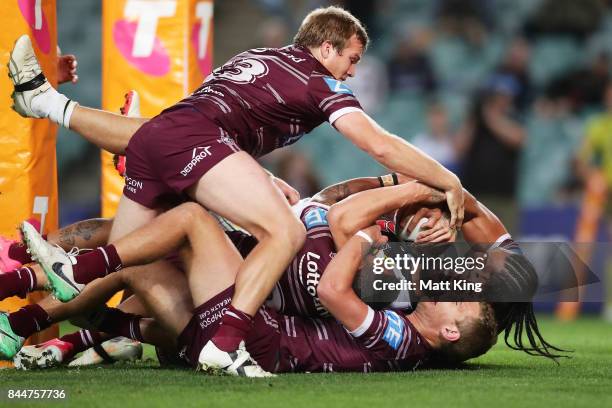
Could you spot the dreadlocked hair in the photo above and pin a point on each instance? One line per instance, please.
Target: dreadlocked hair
(518, 320)
(511, 291)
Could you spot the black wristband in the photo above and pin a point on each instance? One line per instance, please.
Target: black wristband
(380, 180)
(395, 179)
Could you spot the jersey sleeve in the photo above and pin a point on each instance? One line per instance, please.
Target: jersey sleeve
(332, 98)
(387, 335)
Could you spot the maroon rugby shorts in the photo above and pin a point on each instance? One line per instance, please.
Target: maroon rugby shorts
(170, 153)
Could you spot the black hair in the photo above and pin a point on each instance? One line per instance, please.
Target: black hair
(512, 290)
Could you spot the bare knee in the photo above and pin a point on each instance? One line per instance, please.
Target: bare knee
(286, 229)
(190, 214)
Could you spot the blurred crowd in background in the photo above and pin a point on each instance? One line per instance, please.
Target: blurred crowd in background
(502, 92)
(514, 96)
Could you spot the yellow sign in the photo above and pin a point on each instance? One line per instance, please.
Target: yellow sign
(160, 48)
(28, 176)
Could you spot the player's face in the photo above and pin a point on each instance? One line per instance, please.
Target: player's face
(342, 64)
(439, 314)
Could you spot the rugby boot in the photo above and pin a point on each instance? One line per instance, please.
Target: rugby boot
(131, 109)
(238, 363)
(51, 353)
(6, 263)
(28, 79)
(111, 351)
(10, 343)
(56, 264)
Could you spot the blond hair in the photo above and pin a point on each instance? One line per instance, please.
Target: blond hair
(332, 24)
(478, 335)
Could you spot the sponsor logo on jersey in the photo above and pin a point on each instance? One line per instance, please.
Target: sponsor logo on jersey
(394, 333)
(315, 217)
(292, 57)
(199, 154)
(337, 86)
(209, 90)
(133, 185)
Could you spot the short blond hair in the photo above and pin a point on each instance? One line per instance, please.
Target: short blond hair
(478, 335)
(333, 24)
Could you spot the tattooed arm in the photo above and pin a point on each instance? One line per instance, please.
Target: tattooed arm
(83, 234)
(338, 192)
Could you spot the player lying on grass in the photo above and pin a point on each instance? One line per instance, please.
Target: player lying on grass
(205, 145)
(380, 341)
(296, 292)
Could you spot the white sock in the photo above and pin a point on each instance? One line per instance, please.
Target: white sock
(55, 106)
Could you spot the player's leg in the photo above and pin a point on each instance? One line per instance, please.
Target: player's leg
(58, 265)
(98, 346)
(23, 280)
(237, 188)
(34, 97)
(87, 234)
(109, 131)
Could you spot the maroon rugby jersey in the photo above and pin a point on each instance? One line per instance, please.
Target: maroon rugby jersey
(386, 341)
(266, 98)
(296, 291)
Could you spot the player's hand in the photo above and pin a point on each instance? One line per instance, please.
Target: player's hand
(292, 195)
(67, 69)
(437, 229)
(375, 233)
(454, 198)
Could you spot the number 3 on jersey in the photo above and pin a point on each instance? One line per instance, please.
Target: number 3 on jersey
(243, 71)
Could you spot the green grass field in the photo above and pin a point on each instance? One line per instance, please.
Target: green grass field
(502, 378)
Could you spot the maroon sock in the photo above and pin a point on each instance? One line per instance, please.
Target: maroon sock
(96, 264)
(28, 320)
(119, 323)
(20, 282)
(18, 251)
(233, 329)
(82, 340)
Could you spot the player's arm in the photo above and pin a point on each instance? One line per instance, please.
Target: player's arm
(363, 209)
(480, 225)
(401, 157)
(338, 192)
(335, 290)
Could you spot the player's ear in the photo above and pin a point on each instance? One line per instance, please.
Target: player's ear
(326, 49)
(450, 332)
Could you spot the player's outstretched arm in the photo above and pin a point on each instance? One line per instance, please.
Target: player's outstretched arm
(363, 209)
(337, 192)
(335, 289)
(401, 157)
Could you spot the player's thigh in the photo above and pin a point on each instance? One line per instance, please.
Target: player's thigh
(211, 260)
(129, 217)
(133, 304)
(164, 291)
(239, 189)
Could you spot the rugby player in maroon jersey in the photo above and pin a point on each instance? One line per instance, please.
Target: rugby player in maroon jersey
(382, 341)
(204, 146)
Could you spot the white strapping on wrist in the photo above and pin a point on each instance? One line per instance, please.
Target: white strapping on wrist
(365, 236)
